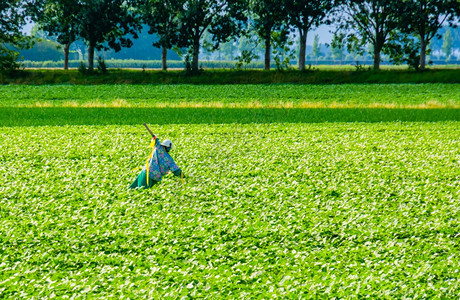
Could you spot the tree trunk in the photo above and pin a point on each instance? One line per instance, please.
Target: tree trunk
(164, 53)
(376, 58)
(267, 52)
(422, 54)
(302, 50)
(91, 58)
(196, 52)
(66, 56)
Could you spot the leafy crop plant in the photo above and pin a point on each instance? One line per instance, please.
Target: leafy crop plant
(283, 210)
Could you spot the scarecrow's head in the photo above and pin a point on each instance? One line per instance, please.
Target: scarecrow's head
(167, 145)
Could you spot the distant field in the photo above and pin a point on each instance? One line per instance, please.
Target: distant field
(245, 96)
(268, 210)
(178, 64)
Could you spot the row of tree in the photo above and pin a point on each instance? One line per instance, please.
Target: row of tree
(400, 28)
(49, 52)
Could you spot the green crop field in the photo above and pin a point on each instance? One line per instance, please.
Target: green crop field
(358, 196)
(275, 95)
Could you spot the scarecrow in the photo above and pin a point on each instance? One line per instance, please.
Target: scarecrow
(158, 164)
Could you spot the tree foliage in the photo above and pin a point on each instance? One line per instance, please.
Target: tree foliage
(316, 48)
(60, 18)
(43, 50)
(224, 19)
(305, 16)
(269, 16)
(13, 15)
(337, 46)
(424, 18)
(399, 28)
(373, 22)
(102, 24)
(162, 17)
(447, 44)
(283, 52)
(404, 49)
(105, 24)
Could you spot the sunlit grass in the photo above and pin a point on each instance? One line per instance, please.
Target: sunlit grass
(241, 96)
(125, 104)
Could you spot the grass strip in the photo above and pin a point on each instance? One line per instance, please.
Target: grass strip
(238, 95)
(14, 116)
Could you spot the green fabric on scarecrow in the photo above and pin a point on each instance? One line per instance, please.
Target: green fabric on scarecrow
(159, 164)
(141, 181)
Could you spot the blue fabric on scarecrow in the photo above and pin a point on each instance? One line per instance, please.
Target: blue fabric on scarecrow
(158, 165)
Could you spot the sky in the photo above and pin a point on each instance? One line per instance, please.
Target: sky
(27, 28)
(325, 36)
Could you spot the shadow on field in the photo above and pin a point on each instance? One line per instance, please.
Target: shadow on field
(14, 116)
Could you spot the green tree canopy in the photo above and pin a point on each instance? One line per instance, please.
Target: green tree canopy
(372, 22)
(60, 18)
(43, 50)
(305, 16)
(337, 46)
(269, 16)
(162, 17)
(447, 44)
(224, 19)
(424, 18)
(13, 16)
(316, 48)
(105, 24)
